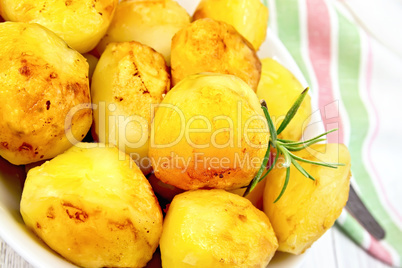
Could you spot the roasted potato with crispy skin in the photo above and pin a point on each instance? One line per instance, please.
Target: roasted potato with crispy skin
(214, 228)
(280, 89)
(128, 80)
(152, 23)
(93, 208)
(45, 105)
(249, 17)
(207, 45)
(208, 132)
(307, 208)
(81, 23)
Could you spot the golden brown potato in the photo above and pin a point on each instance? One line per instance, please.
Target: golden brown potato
(307, 208)
(207, 45)
(208, 132)
(152, 23)
(280, 89)
(81, 23)
(214, 228)
(92, 208)
(128, 80)
(249, 17)
(44, 92)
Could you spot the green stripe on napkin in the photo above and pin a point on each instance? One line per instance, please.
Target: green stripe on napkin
(349, 68)
(288, 15)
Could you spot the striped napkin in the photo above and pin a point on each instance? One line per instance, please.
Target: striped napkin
(358, 79)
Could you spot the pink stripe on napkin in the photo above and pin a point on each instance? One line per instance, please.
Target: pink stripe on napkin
(319, 38)
(378, 251)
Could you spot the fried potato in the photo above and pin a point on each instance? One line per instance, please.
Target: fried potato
(307, 208)
(81, 23)
(92, 208)
(249, 17)
(280, 89)
(152, 23)
(208, 132)
(214, 228)
(128, 80)
(207, 45)
(45, 105)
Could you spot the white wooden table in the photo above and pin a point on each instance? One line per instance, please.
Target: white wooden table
(333, 250)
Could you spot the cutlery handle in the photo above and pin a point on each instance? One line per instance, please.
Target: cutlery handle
(356, 208)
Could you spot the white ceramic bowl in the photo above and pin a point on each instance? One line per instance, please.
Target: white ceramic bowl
(33, 250)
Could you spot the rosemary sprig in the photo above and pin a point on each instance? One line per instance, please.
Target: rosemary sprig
(286, 147)
(292, 111)
(284, 185)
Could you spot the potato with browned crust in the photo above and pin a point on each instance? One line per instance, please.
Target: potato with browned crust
(208, 132)
(45, 105)
(249, 17)
(93, 208)
(214, 228)
(130, 78)
(81, 23)
(207, 45)
(152, 23)
(308, 208)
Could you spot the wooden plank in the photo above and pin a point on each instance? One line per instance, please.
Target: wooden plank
(10, 259)
(322, 253)
(349, 254)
